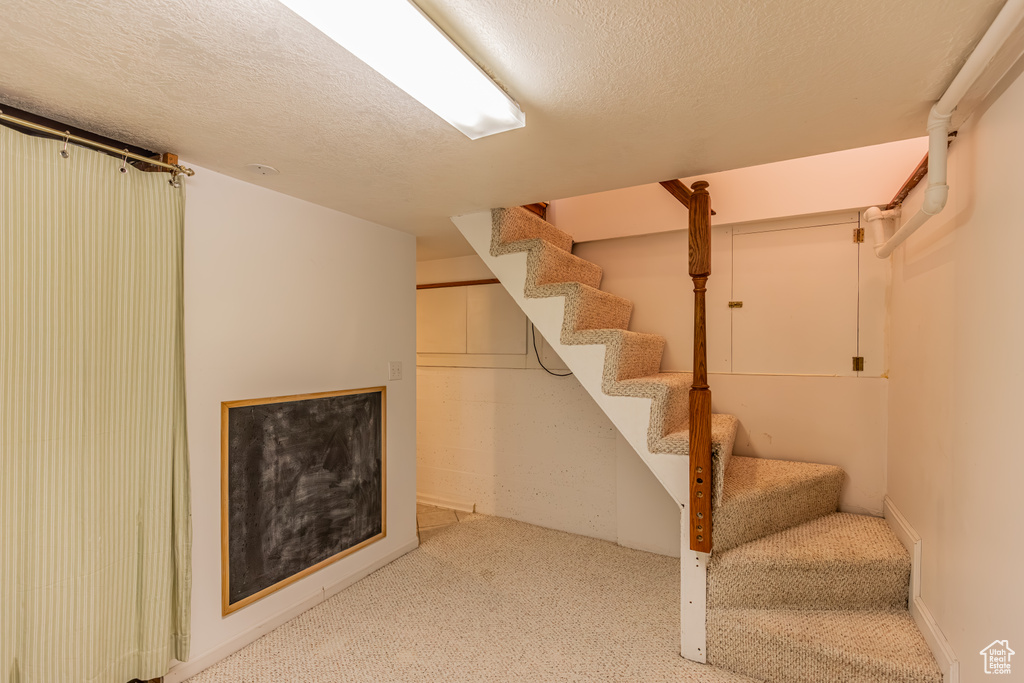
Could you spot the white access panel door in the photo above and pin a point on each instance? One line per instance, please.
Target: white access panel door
(494, 322)
(441, 320)
(799, 292)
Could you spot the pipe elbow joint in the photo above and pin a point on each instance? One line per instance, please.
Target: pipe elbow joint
(935, 197)
(874, 213)
(938, 120)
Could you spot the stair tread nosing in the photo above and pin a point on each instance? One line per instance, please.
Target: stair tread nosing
(516, 223)
(839, 561)
(821, 646)
(761, 497)
(723, 433)
(673, 388)
(586, 307)
(629, 354)
(546, 264)
(668, 392)
(668, 430)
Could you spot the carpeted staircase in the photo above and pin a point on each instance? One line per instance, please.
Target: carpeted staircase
(796, 591)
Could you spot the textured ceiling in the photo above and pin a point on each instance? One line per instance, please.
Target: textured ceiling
(615, 93)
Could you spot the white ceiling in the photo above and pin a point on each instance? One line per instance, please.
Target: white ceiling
(616, 93)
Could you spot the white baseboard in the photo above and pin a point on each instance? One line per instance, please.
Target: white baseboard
(450, 503)
(944, 655)
(182, 670)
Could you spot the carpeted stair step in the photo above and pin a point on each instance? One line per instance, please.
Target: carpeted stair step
(588, 308)
(812, 646)
(723, 437)
(670, 414)
(516, 224)
(547, 264)
(723, 434)
(629, 354)
(840, 561)
(548, 261)
(670, 392)
(669, 430)
(548, 268)
(761, 497)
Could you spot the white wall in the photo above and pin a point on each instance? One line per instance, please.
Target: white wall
(957, 317)
(285, 297)
(833, 420)
(523, 444)
(805, 312)
(517, 443)
(849, 179)
(458, 269)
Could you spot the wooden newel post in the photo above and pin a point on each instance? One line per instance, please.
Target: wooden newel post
(700, 393)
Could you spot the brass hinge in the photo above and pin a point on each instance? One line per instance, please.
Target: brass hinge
(735, 304)
(858, 235)
(858, 363)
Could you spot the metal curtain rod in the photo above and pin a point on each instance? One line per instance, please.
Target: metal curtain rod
(175, 169)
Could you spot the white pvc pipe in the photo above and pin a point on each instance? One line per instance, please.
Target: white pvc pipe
(1002, 26)
(937, 192)
(905, 231)
(876, 216)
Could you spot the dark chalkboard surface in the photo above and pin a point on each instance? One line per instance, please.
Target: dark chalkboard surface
(303, 485)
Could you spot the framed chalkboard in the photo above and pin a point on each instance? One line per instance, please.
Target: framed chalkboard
(303, 483)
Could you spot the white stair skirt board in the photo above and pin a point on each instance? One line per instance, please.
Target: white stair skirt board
(944, 655)
(630, 415)
(449, 503)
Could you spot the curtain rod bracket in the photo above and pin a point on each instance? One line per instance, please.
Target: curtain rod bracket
(67, 136)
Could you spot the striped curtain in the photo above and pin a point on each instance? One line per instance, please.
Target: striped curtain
(95, 529)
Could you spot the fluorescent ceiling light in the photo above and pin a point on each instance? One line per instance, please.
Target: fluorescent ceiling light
(403, 45)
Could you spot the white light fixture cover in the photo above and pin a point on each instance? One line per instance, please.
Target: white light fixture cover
(397, 40)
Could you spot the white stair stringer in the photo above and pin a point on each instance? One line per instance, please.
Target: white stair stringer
(630, 415)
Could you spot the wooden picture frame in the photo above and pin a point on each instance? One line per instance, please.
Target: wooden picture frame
(297, 415)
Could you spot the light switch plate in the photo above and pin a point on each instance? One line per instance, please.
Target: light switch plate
(394, 370)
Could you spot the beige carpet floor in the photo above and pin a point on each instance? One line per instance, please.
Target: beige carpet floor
(488, 599)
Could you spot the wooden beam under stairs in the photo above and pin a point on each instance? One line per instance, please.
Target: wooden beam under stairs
(678, 190)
